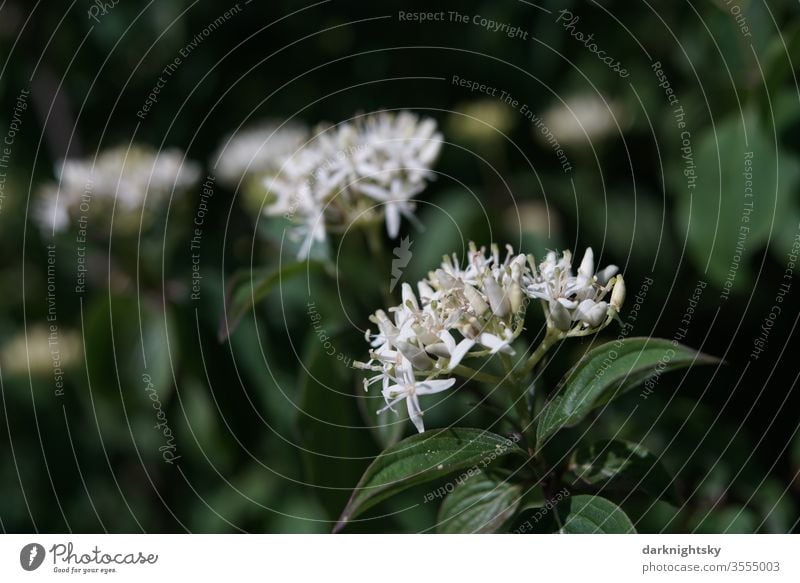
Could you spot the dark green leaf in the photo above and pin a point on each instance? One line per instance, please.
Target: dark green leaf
(776, 507)
(337, 447)
(607, 372)
(718, 213)
(574, 514)
(777, 64)
(247, 288)
(612, 463)
(595, 515)
(653, 516)
(422, 458)
(482, 503)
(733, 519)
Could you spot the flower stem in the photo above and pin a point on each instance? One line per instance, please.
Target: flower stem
(466, 371)
(549, 340)
(518, 386)
(372, 231)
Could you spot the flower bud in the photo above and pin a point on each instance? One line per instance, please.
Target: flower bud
(438, 349)
(475, 300)
(618, 294)
(516, 298)
(586, 268)
(497, 297)
(592, 313)
(605, 275)
(559, 316)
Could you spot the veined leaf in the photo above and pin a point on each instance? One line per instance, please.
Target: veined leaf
(609, 463)
(575, 515)
(609, 371)
(422, 458)
(247, 288)
(595, 515)
(480, 504)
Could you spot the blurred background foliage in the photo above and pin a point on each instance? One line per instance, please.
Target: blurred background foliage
(272, 433)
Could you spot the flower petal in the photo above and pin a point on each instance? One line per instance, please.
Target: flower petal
(586, 268)
(433, 387)
(415, 413)
(392, 220)
(461, 349)
(494, 343)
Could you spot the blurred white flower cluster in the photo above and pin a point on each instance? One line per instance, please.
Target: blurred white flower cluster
(584, 118)
(355, 172)
(478, 311)
(36, 352)
(125, 177)
(257, 152)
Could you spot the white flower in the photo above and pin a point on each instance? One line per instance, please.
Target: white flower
(355, 171)
(31, 351)
(396, 202)
(572, 298)
(582, 118)
(125, 178)
(460, 313)
(448, 348)
(591, 313)
(49, 212)
(483, 122)
(129, 175)
(408, 388)
(496, 343)
(256, 151)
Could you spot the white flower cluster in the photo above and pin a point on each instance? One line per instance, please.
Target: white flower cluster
(479, 310)
(257, 151)
(121, 176)
(355, 172)
(571, 298)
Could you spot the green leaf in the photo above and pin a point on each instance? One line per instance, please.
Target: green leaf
(607, 372)
(724, 227)
(247, 288)
(336, 446)
(161, 343)
(610, 463)
(733, 519)
(422, 458)
(776, 507)
(569, 514)
(596, 515)
(482, 503)
(653, 516)
(777, 65)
